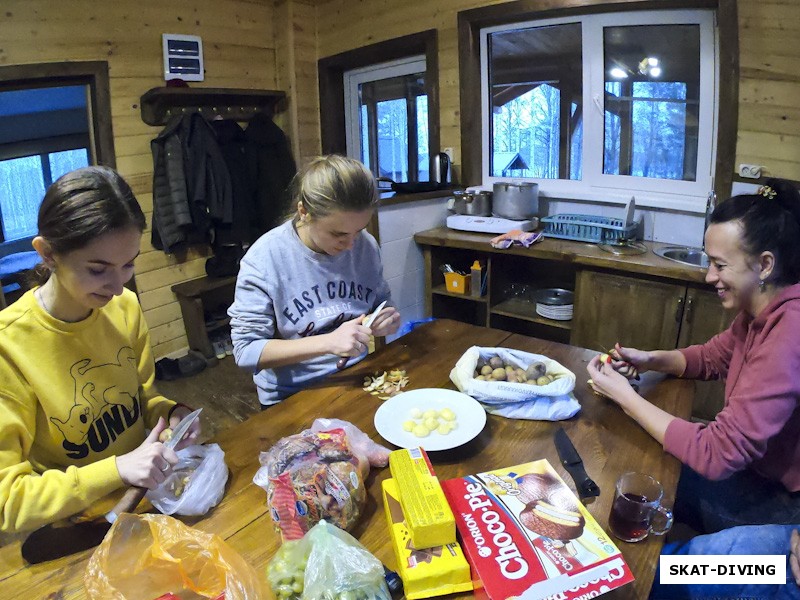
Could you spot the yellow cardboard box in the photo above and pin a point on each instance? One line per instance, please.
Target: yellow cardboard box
(428, 515)
(427, 572)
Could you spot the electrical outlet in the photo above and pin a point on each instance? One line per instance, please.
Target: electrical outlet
(750, 171)
(451, 153)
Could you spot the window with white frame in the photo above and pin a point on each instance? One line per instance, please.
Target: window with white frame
(603, 107)
(386, 118)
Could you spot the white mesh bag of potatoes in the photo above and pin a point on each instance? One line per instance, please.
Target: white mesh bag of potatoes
(516, 384)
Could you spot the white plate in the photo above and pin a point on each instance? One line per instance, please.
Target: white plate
(470, 417)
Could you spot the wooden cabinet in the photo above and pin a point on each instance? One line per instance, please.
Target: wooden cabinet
(635, 312)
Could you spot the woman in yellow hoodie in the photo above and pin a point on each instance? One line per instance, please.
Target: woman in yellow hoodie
(76, 368)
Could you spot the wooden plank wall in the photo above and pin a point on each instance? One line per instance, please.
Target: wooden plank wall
(769, 86)
(239, 52)
(769, 103)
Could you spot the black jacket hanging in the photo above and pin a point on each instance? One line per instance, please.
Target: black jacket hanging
(273, 167)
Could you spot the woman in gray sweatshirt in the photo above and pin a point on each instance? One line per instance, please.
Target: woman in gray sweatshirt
(304, 288)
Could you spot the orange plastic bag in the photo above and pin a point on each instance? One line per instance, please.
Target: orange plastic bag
(144, 557)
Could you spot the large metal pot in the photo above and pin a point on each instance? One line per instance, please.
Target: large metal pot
(515, 201)
(475, 204)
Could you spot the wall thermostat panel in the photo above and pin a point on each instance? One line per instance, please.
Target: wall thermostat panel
(183, 57)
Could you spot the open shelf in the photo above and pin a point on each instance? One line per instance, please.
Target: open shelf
(442, 290)
(161, 103)
(519, 309)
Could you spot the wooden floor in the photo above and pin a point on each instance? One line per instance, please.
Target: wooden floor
(226, 393)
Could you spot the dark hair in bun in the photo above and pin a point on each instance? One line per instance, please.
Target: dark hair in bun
(770, 223)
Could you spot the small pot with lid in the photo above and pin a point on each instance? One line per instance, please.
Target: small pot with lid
(516, 201)
(475, 204)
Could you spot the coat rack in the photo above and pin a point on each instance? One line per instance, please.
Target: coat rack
(159, 104)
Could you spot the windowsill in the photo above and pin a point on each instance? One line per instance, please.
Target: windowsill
(389, 198)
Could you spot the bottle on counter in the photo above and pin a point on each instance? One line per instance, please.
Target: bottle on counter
(476, 273)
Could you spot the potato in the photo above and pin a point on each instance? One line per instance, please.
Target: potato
(165, 436)
(421, 431)
(521, 376)
(536, 370)
(543, 380)
(486, 370)
(431, 423)
(416, 413)
(448, 415)
(499, 374)
(511, 377)
(481, 378)
(409, 425)
(430, 414)
(496, 363)
(444, 428)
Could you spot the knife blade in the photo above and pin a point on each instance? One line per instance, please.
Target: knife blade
(342, 362)
(573, 463)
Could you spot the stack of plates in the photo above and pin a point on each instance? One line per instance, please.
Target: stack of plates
(554, 303)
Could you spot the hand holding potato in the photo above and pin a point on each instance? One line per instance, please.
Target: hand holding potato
(606, 381)
(386, 323)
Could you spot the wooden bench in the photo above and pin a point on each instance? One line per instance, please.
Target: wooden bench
(195, 297)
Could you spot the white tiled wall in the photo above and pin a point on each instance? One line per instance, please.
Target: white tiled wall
(403, 267)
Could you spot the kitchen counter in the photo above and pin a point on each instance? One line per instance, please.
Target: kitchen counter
(578, 253)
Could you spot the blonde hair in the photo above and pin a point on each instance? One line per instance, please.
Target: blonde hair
(334, 183)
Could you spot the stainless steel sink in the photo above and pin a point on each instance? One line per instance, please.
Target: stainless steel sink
(694, 257)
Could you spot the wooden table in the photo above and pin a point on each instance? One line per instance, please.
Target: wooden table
(609, 442)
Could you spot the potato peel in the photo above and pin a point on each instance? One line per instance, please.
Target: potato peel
(385, 385)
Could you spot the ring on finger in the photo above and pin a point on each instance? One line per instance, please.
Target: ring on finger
(165, 467)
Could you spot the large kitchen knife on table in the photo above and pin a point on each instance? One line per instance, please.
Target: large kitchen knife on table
(574, 465)
(67, 537)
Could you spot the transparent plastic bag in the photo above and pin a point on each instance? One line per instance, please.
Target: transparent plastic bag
(551, 402)
(196, 484)
(360, 442)
(147, 556)
(310, 477)
(326, 564)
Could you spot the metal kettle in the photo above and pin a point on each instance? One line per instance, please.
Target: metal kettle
(441, 168)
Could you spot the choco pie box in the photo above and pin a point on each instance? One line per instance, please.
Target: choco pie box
(526, 535)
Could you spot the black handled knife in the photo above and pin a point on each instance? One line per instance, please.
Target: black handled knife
(574, 465)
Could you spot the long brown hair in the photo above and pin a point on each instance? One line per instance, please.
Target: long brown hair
(82, 205)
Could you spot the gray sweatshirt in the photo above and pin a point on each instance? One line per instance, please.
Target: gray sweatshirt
(287, 291)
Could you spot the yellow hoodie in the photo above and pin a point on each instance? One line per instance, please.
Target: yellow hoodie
(72, 397)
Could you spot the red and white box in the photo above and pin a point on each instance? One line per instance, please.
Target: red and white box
(526, 535)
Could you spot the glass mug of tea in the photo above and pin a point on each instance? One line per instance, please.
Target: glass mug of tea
(637, 510)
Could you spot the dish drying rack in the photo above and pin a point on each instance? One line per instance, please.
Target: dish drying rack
(593, 228)
(589, 228)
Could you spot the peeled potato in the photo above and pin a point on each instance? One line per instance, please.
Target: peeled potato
(165, 435)
(444, 428)
(409, 425)
(416, 413)
(430, 414)
(421, 431)
(447, 414)
(431, 423)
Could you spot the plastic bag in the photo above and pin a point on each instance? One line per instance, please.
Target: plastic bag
(196, 484)
(147, 556)
(359, 442)
(551, 402)
(313, 476)
(337, 567)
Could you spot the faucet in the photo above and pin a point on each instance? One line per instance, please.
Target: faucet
(711, 204)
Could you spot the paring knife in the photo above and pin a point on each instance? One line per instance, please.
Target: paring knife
(574, 465)
(342, 363)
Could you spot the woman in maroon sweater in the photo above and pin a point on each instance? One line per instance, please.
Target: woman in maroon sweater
(744, 466)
